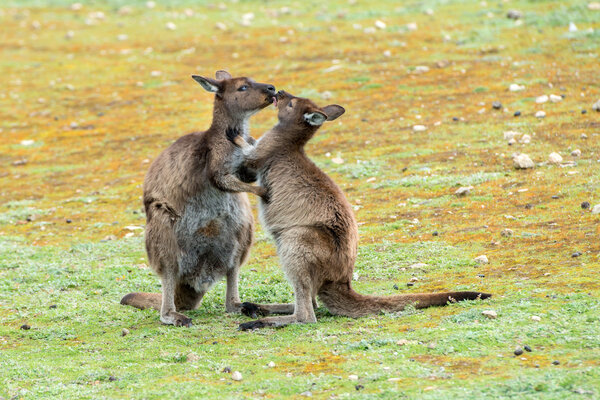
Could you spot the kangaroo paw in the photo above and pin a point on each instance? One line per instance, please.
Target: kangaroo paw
(253, 310)
(257, 324)
(177, 319)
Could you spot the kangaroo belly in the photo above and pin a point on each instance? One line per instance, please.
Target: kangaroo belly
(208, 233)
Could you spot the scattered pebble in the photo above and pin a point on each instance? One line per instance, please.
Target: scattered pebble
(522, 161)
(359, 387)
(555, 99)
(512, 141)
(353, 377)
(52, 306)
(584, 136)
(517, 113)
(496, 105)
(68, 221)
(421, 68)
(192, 357)
(576, 254)
(541, 99)
(525, 139)
(463, 191)
(380, 24)
(540, 114)
(527, 348)
(555, 158)
(171, 26)
(585, 205)
(111, 378)
(515, 87)
(596, 106)
(226, 370)
(555, 362)
(124, 332)
(482, 259)
(25, 327)
(596, 209)
(307, 393)
(396, 287)
(410, 284)
(27, 142)
(518, 351)
(419, 128)
(481, 275)
(402, 342)
(236, 376)
(337, 160)
(491, 314)
(572, 27)
(271, 364)
(535, 318)
(511, 135)
(507, 232)
(514, 14)
(221, 26)
(411, 26)
(418, 265)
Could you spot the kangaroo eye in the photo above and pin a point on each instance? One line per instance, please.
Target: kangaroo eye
(243, 88)
(290, 104)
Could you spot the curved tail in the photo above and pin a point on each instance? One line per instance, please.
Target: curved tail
(142, 300)
(341, 299)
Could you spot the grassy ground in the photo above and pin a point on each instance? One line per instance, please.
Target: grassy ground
(88, 99)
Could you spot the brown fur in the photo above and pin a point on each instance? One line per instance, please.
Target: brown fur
(198, 226)
(313, 224)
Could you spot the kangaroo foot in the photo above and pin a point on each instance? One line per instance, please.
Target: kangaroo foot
(177, 319)
(253, 310)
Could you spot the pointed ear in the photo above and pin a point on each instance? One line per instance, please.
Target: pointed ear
(333, 111)
(222, 75)
(315, 118)
(208, 84)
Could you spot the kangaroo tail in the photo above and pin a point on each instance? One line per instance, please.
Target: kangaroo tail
(341, 299)
(142, 300)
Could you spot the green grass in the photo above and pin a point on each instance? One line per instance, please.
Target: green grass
(67, 255)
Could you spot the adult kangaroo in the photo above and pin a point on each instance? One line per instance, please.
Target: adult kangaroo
(313, 224)
(199, 224)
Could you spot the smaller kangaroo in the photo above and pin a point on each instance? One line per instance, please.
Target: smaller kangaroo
(313, 224)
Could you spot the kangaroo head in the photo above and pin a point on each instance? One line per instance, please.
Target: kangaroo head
(303, 116)
(240, 97)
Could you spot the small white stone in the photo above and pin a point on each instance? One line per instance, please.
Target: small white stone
(463, 191)
(421, 68)
(541, 99)
(540, 114)
(482, 259)
(596, 106)
(555, 158)
(387, 53)
(326, 95)
(522, 161)
(491, 314)
(535, 318)
(124, 332)
(572, 27)
(576, 153)
(236, 376)
(337, 160)
(171, 26)
(192, 357)
(27, 142)
(596, 209)
(511, 134)
(525, 139)
(69, 35)
(419, 128)
(418, 265)
(515, 87)
(512, 141)
(150, 4)
(155, 73)
(221, 26)
(271, 364)
(122, 37)
(380, 24)
(76, 6)
(594, 6)
(411, 26)
(353, 377)
(555, 99)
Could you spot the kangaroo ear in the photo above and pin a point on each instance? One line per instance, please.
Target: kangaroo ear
(333, 111)
(208, 84)
(315, 118)
(222, 75)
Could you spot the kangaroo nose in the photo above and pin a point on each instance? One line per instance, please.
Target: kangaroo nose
(271, 89)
